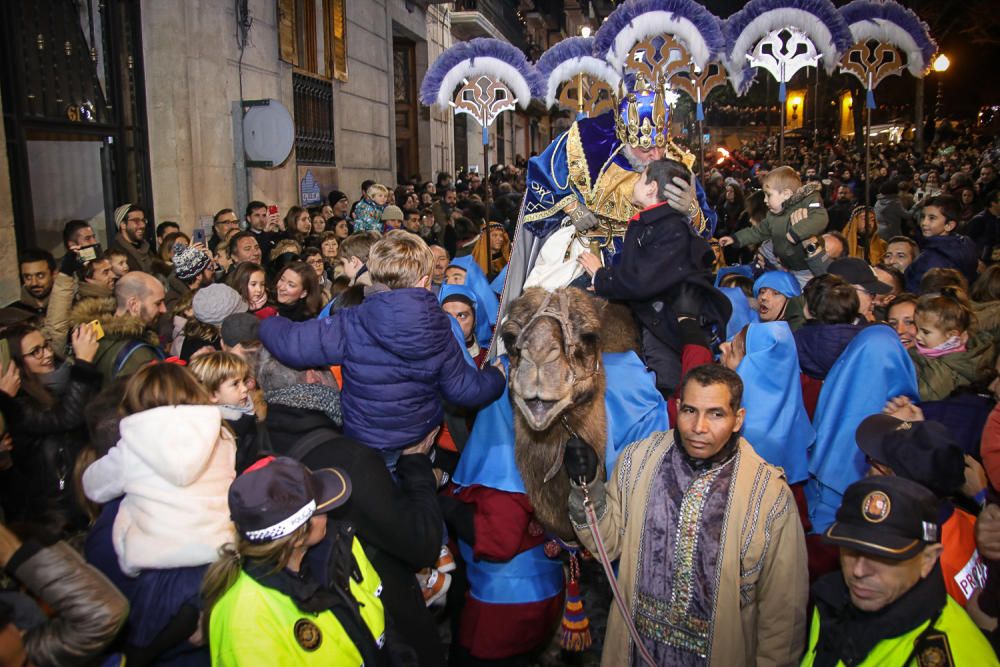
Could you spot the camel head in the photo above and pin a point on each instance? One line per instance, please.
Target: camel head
(553, 340)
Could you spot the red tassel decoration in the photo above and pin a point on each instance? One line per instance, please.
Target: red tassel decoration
(574, 635)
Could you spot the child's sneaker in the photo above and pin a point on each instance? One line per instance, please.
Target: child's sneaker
(434, 585)
(445, 561)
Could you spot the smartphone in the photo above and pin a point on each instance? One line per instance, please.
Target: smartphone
(272, 210)
(98, 329)
(89, 253)
(198, 236)
(4, 355)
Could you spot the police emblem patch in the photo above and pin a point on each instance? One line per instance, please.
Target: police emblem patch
(875, 507)
(307, 634)
(934, 651)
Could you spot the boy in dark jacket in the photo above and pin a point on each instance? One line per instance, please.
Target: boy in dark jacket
(940, 246)
(660, 253)
(795, 213)
(396, 350)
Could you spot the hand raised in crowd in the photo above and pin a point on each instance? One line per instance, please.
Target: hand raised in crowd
(425, 445)
(10, 380)
(84, 343)
(273, 222)
(975, 478)
(726, 241)
(903, 408)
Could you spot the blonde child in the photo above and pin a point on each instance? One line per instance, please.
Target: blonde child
(225, 377)
(947, 355)
(368, 212)
(119, 261)
(173, 464)
(794, 213)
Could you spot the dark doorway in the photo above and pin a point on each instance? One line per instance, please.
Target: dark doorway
(404, 68)
(74, 114)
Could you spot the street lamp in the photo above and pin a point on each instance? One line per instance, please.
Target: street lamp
(940, 65)
(585, 31)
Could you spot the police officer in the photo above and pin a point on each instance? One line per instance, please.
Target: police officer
(888, 605)
(296, 588)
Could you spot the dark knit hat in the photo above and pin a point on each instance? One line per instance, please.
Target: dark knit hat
(189, 262)
(335, 196)
(240, 328)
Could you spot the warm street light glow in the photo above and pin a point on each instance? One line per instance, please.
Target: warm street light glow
(585, 31)
(941, 63)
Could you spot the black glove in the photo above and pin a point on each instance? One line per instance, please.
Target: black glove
(71, 264)
(580, 461)
(687, 300)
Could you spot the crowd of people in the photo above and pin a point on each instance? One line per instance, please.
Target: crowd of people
(241, 450)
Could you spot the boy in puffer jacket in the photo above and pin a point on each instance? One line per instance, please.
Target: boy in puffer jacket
(173, 464)
(396, 350)
(794, 213)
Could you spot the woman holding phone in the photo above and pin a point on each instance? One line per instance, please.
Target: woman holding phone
(43, 400)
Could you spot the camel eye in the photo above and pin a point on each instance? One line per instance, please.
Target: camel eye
(510, 342)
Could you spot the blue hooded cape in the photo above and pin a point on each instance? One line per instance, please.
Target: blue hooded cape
(873, 368)
(776, 423)
(742, 315)
(476, 281)
(635, 409)
(740, 269)
(780, 281)
(497, 284)
(483, 330)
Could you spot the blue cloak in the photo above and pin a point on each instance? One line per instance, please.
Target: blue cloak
(776, 422)
(497, 284)
(742, 315)
(740, 269)
(780, 281)
(476, 281)
(635, 410)
(873, 368)
(483, 330)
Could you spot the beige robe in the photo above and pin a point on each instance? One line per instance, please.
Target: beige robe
(760, 614)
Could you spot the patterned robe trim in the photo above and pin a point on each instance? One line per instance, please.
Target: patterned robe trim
(610, 196)
(674, 623)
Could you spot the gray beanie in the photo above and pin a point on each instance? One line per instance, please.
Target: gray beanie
(189, 262)
(214, 303)
(121, 213)
(240, 328)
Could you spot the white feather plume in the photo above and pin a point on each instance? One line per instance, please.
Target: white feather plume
(655, 23)
(777, 19)
(493, 67)
(887, 31)
(594, 67)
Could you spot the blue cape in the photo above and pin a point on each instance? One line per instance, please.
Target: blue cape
(635, 410)
(740, 270)
(497, 284)
(776, 423)
(873, 368)
(483, 330)
(476, 281)
(742, 315)
(780, 281)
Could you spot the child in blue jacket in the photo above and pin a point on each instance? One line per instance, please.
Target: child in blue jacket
(396, 350)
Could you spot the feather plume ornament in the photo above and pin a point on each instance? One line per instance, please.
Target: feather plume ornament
(568, 59)
(891, 23)
(636, 20)
(818, 20)
(467, 61)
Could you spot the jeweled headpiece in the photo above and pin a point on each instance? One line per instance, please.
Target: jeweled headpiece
(643, 115)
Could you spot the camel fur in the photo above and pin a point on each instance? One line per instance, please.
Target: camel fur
(556, 384)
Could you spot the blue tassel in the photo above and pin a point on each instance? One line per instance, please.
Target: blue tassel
(486, 134)
(870, 99)
(580, 115)
(782, 92)
(699, 113)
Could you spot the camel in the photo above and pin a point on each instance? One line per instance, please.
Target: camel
(556, 383)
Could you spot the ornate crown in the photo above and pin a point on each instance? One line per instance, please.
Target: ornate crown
(642, 118)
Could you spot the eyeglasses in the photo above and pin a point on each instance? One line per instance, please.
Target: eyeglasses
(39, 352)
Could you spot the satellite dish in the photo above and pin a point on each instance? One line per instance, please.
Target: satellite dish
(268, 133)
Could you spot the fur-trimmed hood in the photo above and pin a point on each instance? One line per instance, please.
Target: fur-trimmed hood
(801, 195)
(103, 310)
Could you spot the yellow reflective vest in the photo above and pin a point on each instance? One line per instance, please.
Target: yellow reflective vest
(255, 625)
(962, 644)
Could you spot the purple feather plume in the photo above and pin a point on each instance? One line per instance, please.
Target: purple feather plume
(893, 12)
(823, 10)
(464, 55)
(705, 21)
(567, 49)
